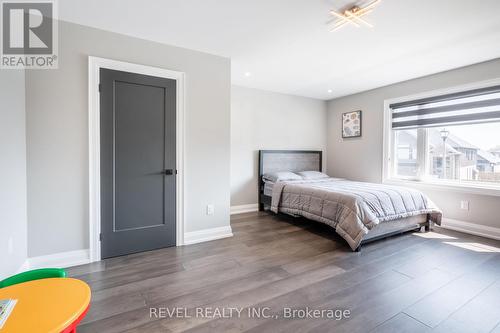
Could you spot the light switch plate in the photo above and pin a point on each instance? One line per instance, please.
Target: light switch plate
(464, 205)
(210, 209)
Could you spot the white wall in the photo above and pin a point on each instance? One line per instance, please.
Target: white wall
(267, 120)
(57, 135)
(361, 158)
(13, 248)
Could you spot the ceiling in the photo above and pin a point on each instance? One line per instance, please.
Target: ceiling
(286, 47)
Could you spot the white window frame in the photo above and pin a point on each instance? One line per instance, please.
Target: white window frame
(420, 180)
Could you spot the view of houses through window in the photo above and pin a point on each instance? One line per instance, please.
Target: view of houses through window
(465, 153)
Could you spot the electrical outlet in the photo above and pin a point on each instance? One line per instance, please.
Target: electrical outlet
(210, 209)
(464, 205)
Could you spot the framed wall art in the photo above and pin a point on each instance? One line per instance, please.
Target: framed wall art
(351, 124)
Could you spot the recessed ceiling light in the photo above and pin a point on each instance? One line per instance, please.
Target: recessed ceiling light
(330, 91)
(248, 74)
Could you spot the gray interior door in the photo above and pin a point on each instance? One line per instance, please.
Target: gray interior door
(137, 162)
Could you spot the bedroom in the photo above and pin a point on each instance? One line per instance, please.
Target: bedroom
(243, 77)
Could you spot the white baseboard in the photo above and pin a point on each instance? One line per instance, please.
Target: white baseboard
(60, 260)
(244, 209)
(471, 228)
(206, 235)
(80, 257)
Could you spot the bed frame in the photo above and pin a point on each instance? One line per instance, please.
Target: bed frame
(312, 160)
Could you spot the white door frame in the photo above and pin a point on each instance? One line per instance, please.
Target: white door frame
(95, 64)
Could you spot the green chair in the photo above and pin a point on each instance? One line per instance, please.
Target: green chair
(36, 274)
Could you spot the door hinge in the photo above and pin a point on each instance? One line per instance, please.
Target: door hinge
(100, 237)
(100, 87)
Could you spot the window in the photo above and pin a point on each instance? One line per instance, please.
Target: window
(406, 153)
(452, 138)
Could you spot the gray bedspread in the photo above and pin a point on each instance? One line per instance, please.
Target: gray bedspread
(352, 208)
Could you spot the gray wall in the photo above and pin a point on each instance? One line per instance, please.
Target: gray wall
(267, 120)
(361, 158)
(13, 248)
(57, 140)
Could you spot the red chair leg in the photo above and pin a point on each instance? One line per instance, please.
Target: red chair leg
(72, 327)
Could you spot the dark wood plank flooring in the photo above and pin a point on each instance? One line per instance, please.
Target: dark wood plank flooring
(440, 281)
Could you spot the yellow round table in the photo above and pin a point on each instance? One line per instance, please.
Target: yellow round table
(47, 305)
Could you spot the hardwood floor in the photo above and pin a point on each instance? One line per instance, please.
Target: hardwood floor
(441, 281)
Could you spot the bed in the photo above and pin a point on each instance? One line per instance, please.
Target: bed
(359, 212)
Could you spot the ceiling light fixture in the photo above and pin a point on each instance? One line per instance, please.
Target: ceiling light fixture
(330, 91)
(353, 16)
(248, 74)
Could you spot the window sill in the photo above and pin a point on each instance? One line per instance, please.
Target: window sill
(478, 189)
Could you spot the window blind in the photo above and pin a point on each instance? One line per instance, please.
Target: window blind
(472, 106)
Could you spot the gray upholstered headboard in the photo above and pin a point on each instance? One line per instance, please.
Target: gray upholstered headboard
(289, 160)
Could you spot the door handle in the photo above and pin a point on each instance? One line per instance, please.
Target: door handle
(168, 172)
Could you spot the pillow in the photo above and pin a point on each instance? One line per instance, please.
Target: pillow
(281, 176)
(312, 175)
